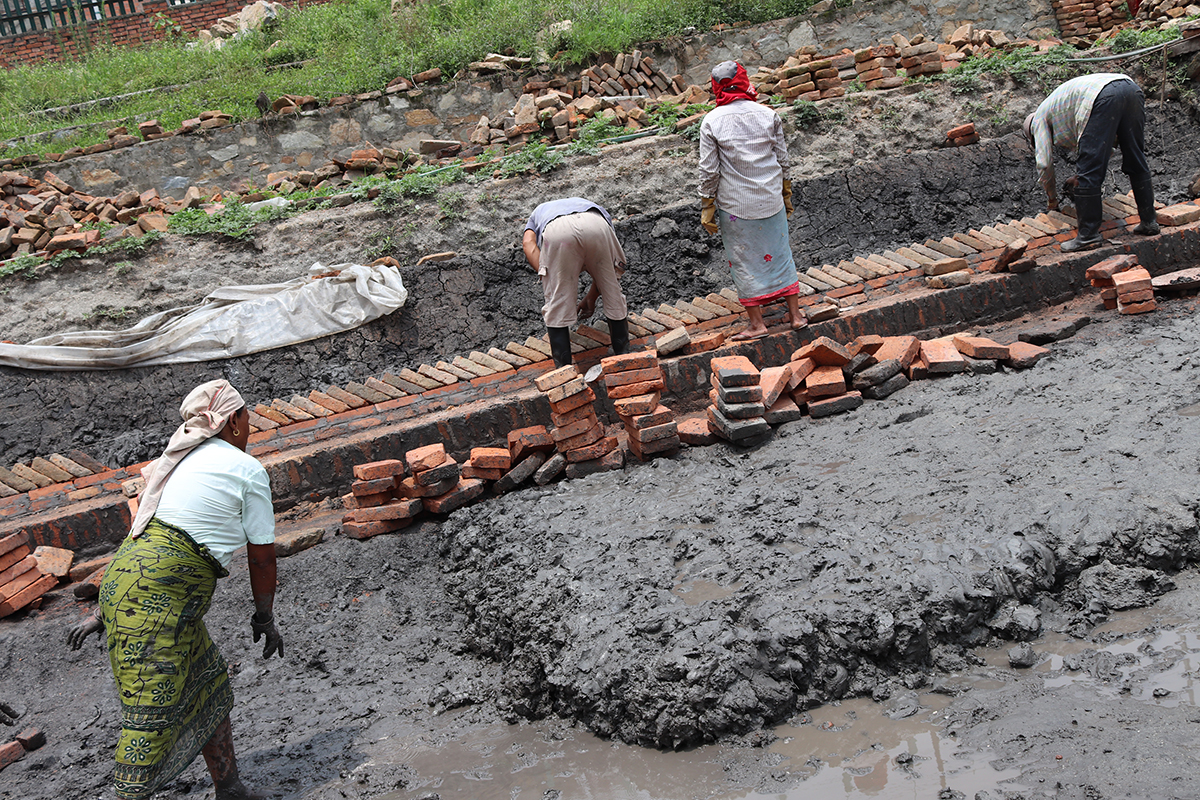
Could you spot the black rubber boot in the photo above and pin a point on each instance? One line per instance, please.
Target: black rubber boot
(1143, 193)
(618, 329)
(1089, 209)
(560, 345)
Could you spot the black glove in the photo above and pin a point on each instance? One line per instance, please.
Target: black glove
(274, 642)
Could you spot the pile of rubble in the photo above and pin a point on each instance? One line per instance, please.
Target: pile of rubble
(1090, 18)
(49, 215)
(1164, 12)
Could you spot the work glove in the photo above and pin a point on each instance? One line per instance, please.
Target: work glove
(787, 196)
(274, 642)
(708, 214)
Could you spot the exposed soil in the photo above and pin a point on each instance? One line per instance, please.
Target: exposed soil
(863, 184)
(897, 550)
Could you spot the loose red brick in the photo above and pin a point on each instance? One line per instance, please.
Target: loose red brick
(25, 565)
(466, 490)
(868, 343)
(825, 382)
(902, 348)
(27, 595)
(377, 486)
(801, 369)
(573, 402)
(592, 451)
(783, 410)
(638, 404)
(942, 357)
(82, 569)
(365, 530)
(579, 426)
(632, 376)
(980, 347)
(834, 405)
(586, 411)
(469, 470)
(390, 468)
(1110, 266)
(13, 540)
(1133, 280)
(825, 352)
(523, 441)
(372, 500)
(661, 415)
(10, 753)
(410, 488)
(448, 470)
(1023, 354)
(961, 131)
(774, 381)
(695, 432)
(654, 433)
(567, 390)
(519, 473)
(1137, 308)
(556, 378)
(402, 508)
(635, 389)
(54, 561)
(626, 362)
(734, 371)
(349, 501)
(590, 436)
(31, 739)
(491, 457)
(1180, 214)
(1145, 295)
(426, 457)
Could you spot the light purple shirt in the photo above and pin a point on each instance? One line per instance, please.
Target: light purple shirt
(551, 210)
(743, 159)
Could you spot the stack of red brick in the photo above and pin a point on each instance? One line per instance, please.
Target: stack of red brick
(805, 76)
(577, 432)
(382, 499)
(629, 74)
(1123, 284)
(737, 411)
(1088, 18)
(26, 574)
(876, 67)
(26, 741)
(634, 383)
(821, 390)
(919, 57)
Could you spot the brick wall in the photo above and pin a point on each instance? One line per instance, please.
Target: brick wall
(73, 41)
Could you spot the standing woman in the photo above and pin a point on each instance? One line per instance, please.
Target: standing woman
(746, 195)
(204, 499)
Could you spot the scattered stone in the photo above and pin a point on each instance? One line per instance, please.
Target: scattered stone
(1022, 656)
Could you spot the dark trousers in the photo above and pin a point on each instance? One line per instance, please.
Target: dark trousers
(1118, 116)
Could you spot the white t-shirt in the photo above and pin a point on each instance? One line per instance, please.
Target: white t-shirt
(221, 497)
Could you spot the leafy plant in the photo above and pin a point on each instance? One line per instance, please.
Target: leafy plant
(534, 157)
(805, 113)
(24, 266)
(235, 221)
(109, 313)
(593, 132)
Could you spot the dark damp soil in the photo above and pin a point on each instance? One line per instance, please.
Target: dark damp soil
(868, 178)
(903, 548)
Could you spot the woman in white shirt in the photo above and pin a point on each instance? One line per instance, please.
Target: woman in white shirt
(745, 194)
(204, 499)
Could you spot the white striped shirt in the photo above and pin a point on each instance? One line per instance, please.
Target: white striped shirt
(743, 159)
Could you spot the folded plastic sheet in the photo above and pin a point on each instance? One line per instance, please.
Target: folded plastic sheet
(232, 321)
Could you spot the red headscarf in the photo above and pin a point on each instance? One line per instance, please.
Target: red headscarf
(730, 82)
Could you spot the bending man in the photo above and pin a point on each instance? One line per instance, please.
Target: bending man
(1091, 113)
(743, 173)
(562, 239)
(204, 499)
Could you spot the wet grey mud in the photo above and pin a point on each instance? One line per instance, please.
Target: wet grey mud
(897, 553)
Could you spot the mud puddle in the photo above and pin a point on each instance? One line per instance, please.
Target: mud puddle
(850, 749)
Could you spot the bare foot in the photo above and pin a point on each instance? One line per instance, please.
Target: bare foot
(236, 790)
(748, 334)
(796, 324)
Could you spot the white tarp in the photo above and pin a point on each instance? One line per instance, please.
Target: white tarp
(232, 321)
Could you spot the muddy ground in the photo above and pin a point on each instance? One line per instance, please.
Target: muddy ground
(896, 553)
(867, 178)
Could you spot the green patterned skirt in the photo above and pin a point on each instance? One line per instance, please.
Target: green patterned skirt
(173, 682)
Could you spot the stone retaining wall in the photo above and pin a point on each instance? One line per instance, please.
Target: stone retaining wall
(251, 150)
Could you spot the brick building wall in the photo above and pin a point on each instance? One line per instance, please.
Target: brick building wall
(73, 41)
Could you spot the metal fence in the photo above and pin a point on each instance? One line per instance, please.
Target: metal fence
(30, 16)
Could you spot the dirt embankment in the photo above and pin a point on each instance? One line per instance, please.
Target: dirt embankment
(865, 180)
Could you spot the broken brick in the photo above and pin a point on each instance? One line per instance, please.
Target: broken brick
(638, 404)
(31, 739)
(825, 352)
(696, 432)
(491, 457)
(448, 470)
(426, 457)
(54, 561)
(524, 441)
(1023, 354)
(10, 753)
(801, 369)
(825, 382)
(734, 371)
(591, 451)
(773, 381)
(834, 405)
(635, 389)
(463, 492)
(520, 473)
(902, 348)
(942, 357)
(1133, 280)
(1136, 308)
(979, 347)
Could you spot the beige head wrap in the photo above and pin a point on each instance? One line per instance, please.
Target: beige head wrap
(204, 411)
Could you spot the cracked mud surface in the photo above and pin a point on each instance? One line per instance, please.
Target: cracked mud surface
(896, 553)
(862, 185)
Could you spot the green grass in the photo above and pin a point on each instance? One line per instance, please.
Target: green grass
(1024, 65)
(348, 46)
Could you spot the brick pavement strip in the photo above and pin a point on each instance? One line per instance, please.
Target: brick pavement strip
(474, 368)
(717, 310)
(290, 411)
(347, 398)
(396, 383)
(50, 470)
(704, 342)
(863, 271)
(600, 338)
(848, 278)
(441, 376)
(386, 390)
(309, 406)
(733, 306)
(897, 258)
(491, 362)
(913, 256)
(824, 277)
(580, 343)
(534, 356)
(673, 340)
(7, 491)
(672, 311)
(701, 314)
(426, 382)
(540, 345)
(646, 323)
(664, 320)
(928, 252)
(261, 423)
(32, 476)
(274, 415)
